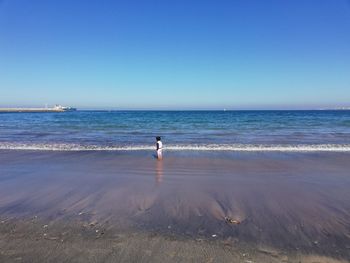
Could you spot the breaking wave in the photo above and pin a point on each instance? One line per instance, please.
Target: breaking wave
(178, 147)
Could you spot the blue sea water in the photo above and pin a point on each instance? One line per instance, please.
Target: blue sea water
(189, 130)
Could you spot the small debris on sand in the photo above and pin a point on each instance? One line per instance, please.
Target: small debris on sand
(93, 223)
(230, 220)
(52, 238)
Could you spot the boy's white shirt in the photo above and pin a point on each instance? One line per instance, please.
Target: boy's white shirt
(160, 145)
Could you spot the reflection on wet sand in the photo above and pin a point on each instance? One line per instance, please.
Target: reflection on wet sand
(159, 171)
(294, 202)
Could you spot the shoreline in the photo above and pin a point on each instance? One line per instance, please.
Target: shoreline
(293, 203)
(238, 147)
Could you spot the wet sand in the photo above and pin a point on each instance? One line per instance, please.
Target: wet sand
(104, 206)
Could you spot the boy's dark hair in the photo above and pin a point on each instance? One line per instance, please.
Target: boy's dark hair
(158, 138)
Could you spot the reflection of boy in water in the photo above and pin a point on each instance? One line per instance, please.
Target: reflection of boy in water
(159, 148)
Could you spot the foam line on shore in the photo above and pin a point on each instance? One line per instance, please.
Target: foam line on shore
(188, 147)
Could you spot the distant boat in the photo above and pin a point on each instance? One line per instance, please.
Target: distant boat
(58, 107)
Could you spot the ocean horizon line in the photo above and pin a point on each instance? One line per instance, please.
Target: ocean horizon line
(220, 110)
(83, 108)
(192, 110)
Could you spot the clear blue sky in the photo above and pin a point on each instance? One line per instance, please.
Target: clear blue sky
(175, 54)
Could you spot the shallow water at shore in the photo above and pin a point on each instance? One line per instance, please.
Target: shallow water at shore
(294, 202)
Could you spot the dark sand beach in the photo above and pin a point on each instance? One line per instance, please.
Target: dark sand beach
(97, 206)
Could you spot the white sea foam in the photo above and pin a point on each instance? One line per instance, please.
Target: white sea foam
(188, 147)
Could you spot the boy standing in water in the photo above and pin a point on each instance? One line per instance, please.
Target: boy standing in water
(159, 148)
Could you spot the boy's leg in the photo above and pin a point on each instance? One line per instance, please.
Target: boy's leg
(159, 154)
